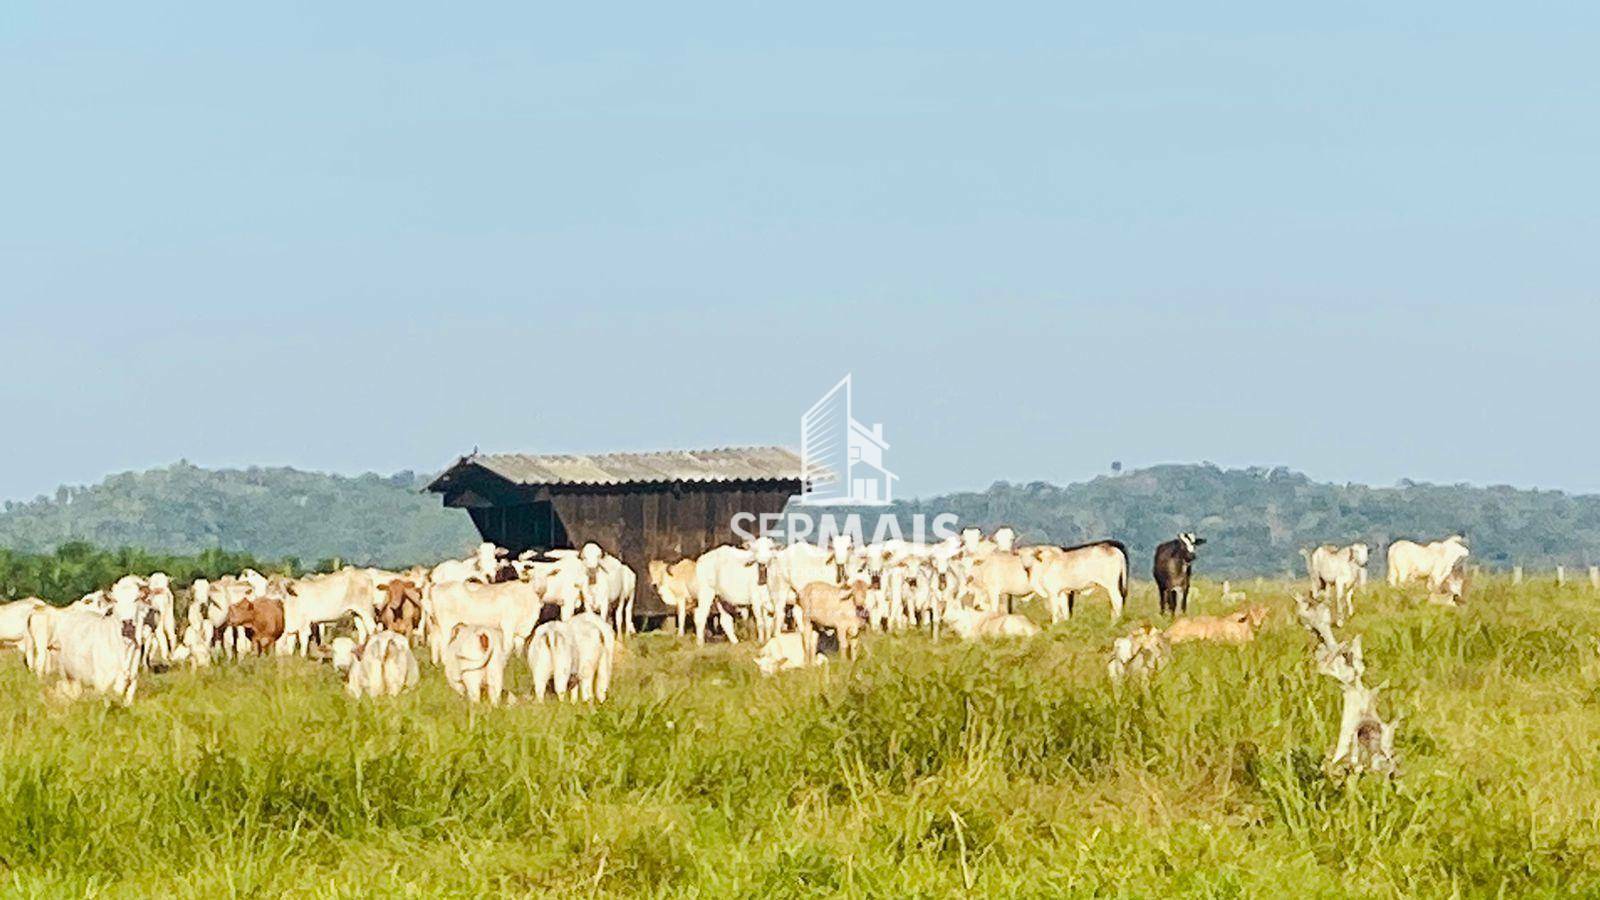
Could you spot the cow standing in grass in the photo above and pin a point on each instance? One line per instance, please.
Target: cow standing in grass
(1173, 567)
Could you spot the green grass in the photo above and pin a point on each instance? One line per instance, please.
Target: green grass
(1009, 769)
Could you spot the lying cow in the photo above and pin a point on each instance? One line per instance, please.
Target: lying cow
(785, 652)
(1144, 652)
(973, 624)
(1235, 628)
(475, 662)
(573, 657)
(383, 667)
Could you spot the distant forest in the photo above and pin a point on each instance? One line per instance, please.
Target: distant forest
(1255, 520)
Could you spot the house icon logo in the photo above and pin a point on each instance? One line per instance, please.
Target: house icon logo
(841, 460)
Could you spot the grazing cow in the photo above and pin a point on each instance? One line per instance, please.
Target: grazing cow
(400, 610)
(823, 605)
(475, 662)
(1433, 563)
(675, 584)
(1059, 574)
(383, 667)
(98, 652)
(573, 657)
(1173, 566)
(165, 603)
(1336, 573)
(785, 652)
(262, 619)
(972, 624)
(318, 599)
(510, 608)
(1236, 627)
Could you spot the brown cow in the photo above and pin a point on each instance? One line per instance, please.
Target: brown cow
(825, 605)
(401, 609)
(261, 619)
(1237, 627)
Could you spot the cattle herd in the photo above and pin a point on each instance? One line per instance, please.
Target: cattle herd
(566, 611)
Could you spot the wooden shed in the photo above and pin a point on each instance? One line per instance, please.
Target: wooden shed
(638, 506)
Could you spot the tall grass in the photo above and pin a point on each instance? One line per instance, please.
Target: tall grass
(919, 770)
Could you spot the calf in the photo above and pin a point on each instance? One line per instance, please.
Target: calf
(823, 605)
(261, 619)
(475, 662)
(784, 652)
(1173, 566)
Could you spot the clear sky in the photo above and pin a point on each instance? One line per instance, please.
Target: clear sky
(1357, 239)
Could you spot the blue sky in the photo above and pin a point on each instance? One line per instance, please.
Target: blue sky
(1358, 240)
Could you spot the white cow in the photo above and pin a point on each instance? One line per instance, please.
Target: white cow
(97, 652)
(318, 599)
(482, 566)
(475, 662)
(511, 608)
(161, 597)
(801, 563)
(609, 587)
(14, 620)
(1060, 574)
(1336, 574)
(1433, 563)
(383, 667)
(737, 577)
(972, 624)
(574, 657)
(785, 652)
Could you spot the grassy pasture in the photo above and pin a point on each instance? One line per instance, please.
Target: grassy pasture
(1009, 769)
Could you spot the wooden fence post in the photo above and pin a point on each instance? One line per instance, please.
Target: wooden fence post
(1561, 576)
(1516, 574)
(1594, 577)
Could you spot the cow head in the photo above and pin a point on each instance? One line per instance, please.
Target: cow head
(1189, 542)
(1359, 553)
(1005, 538)
(839, 548)
(241, 613)
(591, 554)
(763, 549)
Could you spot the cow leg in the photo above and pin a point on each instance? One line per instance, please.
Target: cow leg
(702, 616)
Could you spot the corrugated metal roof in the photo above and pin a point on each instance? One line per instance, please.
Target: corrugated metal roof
(724, 464)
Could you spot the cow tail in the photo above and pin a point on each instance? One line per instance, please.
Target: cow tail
(1122, 580)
